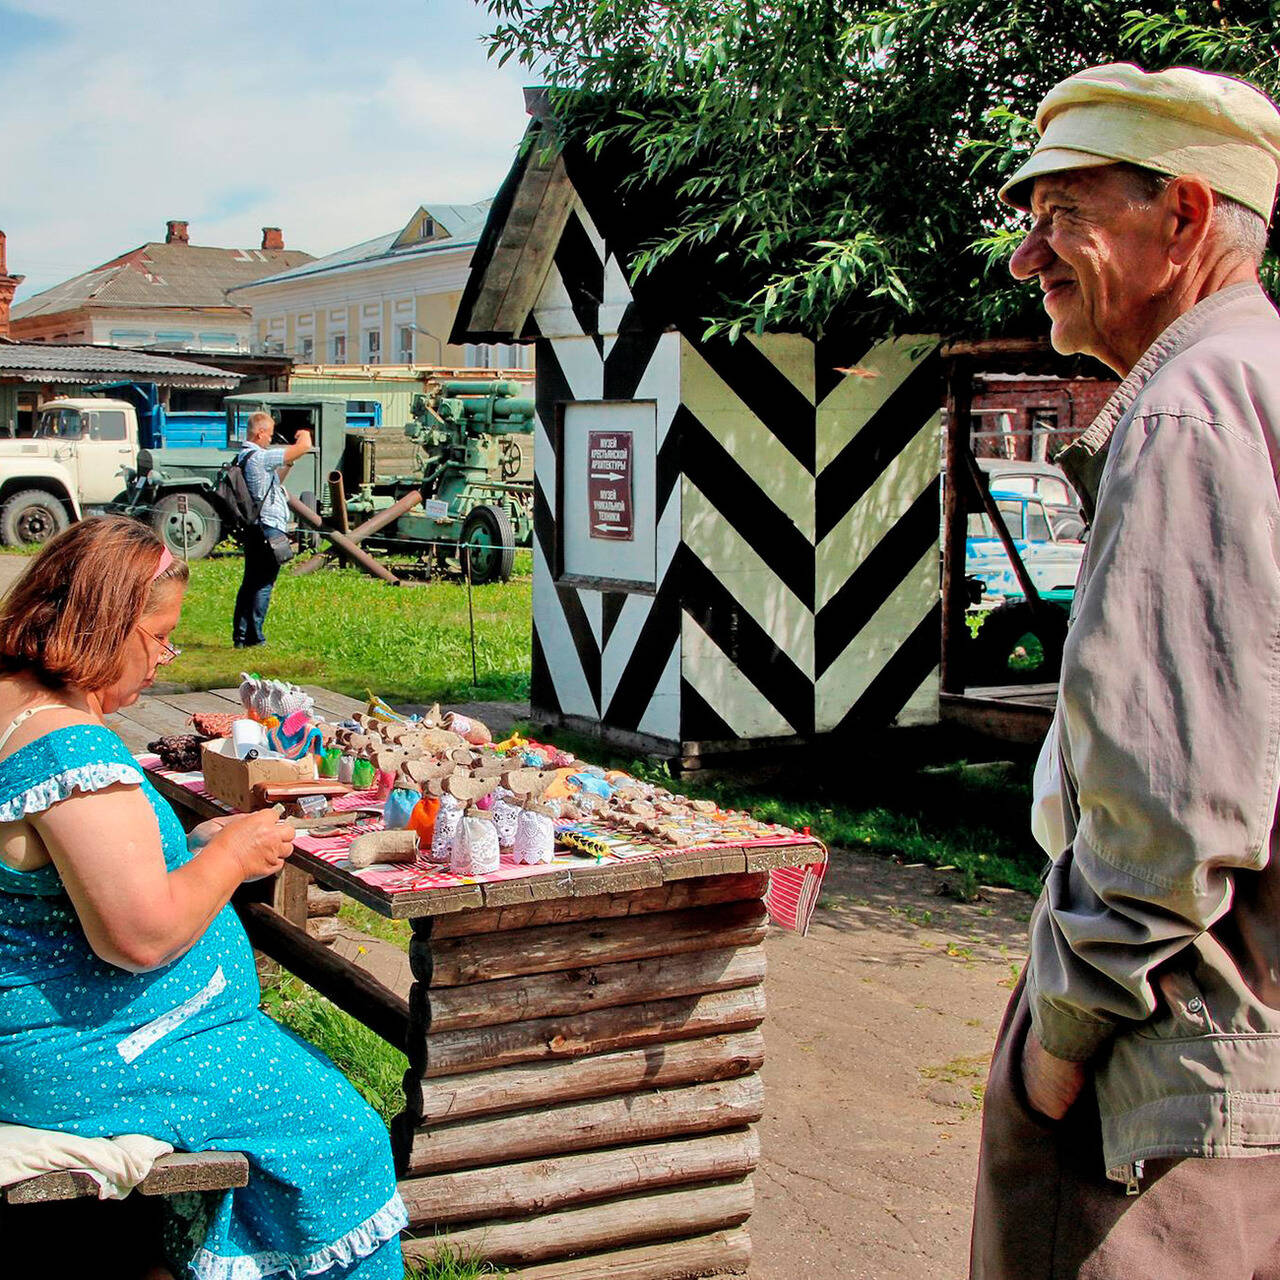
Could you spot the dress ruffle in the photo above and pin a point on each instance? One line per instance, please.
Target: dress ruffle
(359, 1243)
(82, 777)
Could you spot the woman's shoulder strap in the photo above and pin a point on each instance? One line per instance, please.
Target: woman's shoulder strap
(23, 716)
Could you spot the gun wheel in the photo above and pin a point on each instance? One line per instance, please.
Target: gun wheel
(489, 541)
(192, 534)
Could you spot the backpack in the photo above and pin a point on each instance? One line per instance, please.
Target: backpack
(242, 508)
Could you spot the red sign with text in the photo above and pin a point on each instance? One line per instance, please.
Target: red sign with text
(610, 510)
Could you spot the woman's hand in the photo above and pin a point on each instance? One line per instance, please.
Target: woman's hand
(260, 841)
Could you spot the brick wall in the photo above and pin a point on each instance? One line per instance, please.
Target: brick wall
(1016, 404)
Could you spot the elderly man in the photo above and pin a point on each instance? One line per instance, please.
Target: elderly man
(264, 469)
(1139, 1061)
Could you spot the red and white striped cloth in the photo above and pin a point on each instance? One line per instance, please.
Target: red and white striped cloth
(793, 894)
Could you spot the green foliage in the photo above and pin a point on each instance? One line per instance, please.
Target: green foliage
(368, 1061)
(351, 633)
(832, 165)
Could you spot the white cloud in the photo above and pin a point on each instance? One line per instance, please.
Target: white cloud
(329, 121)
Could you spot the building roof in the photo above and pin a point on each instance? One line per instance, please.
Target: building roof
(161, 275)
(453, 227)
(55, 362)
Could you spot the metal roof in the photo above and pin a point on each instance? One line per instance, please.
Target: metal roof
(56, 362)
(463, 222)
(161, 275)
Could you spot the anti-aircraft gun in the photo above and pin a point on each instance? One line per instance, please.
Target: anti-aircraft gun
(450, 453)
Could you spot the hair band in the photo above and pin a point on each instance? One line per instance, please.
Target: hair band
(166, 559)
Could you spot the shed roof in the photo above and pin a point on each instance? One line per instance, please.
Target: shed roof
(461, 225)
(162, 275)
(531, 212)
(54, 362)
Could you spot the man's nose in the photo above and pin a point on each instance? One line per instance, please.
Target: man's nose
(1031, 256)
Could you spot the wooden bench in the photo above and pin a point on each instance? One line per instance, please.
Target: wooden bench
(57, 1221)
(180, 1171)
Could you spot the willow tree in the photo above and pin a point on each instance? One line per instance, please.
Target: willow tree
(816, 163)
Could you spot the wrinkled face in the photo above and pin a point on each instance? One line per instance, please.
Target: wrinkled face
(144, 647)
(260, 433)
(1100, 255)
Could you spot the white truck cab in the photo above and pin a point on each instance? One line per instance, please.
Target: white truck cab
(73, 464)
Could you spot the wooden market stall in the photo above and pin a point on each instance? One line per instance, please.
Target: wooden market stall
(583, 1038)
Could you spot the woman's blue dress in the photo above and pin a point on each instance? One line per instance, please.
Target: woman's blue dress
(184, 1054)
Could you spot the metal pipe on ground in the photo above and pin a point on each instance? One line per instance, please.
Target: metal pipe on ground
(357, 554)
(379, 520)
(338, 501)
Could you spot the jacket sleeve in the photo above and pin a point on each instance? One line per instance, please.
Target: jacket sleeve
(1171, 715)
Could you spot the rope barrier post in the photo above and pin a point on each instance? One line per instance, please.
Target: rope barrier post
(471, 613)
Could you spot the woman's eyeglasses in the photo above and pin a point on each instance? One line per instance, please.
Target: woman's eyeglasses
(167, 651)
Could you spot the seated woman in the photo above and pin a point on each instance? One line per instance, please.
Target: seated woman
(128, 992)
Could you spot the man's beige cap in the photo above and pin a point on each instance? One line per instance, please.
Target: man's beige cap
(1176, 122)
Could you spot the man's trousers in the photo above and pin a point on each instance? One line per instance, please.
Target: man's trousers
(1045, 1210)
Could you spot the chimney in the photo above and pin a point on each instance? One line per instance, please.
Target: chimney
(175, 233)
(8, 284)
(272, 238)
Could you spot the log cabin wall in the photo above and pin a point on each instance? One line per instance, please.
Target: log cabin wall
(584, 1099)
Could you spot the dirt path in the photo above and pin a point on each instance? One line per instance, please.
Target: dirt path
(878, 1032)
(879, 1029)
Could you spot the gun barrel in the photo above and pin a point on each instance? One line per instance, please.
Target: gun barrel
(497, 387)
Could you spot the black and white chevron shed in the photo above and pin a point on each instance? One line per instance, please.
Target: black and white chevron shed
(795, 505)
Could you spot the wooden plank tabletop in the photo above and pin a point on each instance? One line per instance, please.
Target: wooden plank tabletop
(162, 712)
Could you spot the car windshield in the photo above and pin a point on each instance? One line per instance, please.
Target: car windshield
(59, 424)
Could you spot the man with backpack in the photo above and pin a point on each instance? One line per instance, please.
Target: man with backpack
(266, 541)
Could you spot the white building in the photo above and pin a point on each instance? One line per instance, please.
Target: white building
(388, 301)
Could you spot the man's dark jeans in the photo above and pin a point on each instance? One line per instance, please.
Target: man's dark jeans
(254, 596)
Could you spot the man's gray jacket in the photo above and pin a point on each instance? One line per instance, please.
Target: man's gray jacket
(1156, 944)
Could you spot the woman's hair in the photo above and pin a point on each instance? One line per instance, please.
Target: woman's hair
(67, 618)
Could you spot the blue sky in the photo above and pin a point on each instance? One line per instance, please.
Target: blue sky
(330, 120)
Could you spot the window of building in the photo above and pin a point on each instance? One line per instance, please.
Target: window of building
(339, 348)
(373, 346)
(307, 350)
(406, 345)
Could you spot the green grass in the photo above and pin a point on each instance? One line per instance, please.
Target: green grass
(369, 1062)
(351, 633)
(450, 1266)
(369, 921)
(972, 818)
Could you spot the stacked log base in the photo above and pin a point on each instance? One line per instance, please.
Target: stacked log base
(582, 1087)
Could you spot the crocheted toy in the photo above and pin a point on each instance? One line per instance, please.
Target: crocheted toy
(475, 847)
(294, 736)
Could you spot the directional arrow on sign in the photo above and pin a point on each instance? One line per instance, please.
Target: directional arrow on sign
(608, 475)
(611, 528)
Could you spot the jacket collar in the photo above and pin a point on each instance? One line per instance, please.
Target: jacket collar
(1083, 460)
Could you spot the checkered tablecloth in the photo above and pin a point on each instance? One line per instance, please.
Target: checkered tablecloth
(791, 896)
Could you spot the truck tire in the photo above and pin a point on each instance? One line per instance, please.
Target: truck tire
(488, 538)
(203, 525)
(31, 517)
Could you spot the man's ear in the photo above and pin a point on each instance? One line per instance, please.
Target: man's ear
(1189, 202)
